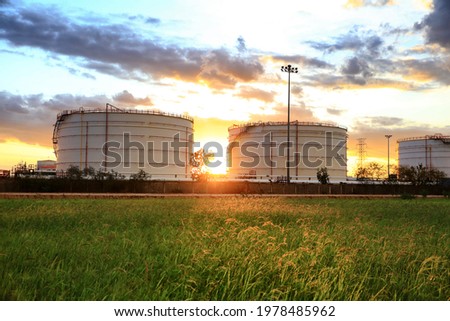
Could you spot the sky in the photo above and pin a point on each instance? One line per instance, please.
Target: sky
(376, 67)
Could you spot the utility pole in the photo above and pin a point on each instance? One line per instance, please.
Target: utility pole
(388, 166)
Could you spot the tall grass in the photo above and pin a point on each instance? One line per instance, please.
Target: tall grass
(225, 249)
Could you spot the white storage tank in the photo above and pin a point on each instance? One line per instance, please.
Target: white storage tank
(125, 141)
(432, 151)
(259, 151)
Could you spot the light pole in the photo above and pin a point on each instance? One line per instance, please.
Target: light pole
(289, 69)
(389, 173)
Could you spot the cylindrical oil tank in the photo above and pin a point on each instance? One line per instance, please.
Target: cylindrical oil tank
(125, 141)
(259, 151)
(432, 151)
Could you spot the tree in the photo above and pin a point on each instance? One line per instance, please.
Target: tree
(101, 175)
(420, 175)
(372, 172)
(74, 172)
(199, 162)
(141, 175)
(89, 171)
(322, 175)
(362, 174)
(376, 171)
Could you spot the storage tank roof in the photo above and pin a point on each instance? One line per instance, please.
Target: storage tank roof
(281, 123)
(445, 139)
(123, 111)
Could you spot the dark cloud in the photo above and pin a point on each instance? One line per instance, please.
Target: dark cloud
(347, 42)
(373, 64)
(77, 72)
(437, 24)
(24, 118)
(426, 70)
(337, 82)
(356, 71)
(220, 69)
(12, 104)
(391, 30)
(30, 118)
(303, 61)
(241, 46)
(354, 66)
(126, 97)
(363, 43)
(119, 51)
(248, 92)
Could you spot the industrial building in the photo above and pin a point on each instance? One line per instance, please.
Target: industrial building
(46, 167)
(431, 151)
(124, 141)
(259, 151)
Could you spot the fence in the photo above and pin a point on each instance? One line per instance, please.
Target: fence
(35, 185)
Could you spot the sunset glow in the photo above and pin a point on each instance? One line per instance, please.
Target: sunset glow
(375, 66)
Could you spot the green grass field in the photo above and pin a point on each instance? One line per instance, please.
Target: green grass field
(225, 249)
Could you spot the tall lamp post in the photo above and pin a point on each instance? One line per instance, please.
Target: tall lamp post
(289, 69)
(389, 173)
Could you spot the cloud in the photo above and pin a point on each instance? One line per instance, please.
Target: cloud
(335, 111)
(125, 97)
(303, 61)
(297, 90)
(363, 43)
(356, 70)
(382, 121)
(222, 70)
(437, 24)
(241, 46)
(301, 113)
(248, 92)
(351, 82)
(374, 64)
(120, 51)
(426, 70)
(365, 3)
(149, 20)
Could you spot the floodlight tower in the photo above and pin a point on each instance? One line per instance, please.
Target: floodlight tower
(289, 69)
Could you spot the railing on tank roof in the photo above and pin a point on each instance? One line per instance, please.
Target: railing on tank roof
(434, 137)
(124, 111)
(284, 123)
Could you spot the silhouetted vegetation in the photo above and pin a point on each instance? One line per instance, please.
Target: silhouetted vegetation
(374, 172)
(141, 175)
(420, 175)
(322, 175)
(199, 161)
